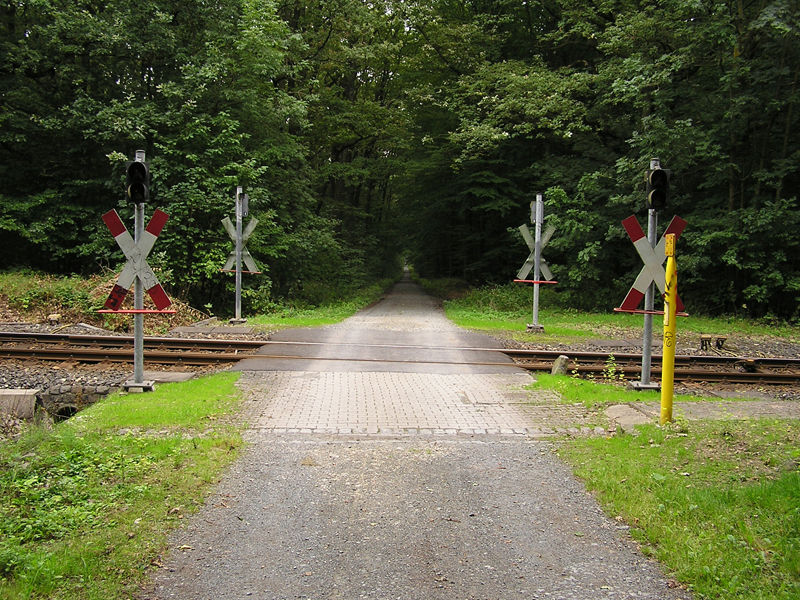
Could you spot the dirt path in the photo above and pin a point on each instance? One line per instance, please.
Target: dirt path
(405, 481)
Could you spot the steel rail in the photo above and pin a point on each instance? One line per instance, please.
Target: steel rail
(124, 340)
(95, 355)
(696, 375)
(206, 358)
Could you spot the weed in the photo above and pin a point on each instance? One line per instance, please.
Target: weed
(611, 372)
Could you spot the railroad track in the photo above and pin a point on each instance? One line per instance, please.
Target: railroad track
(717, 369)
(192, 351)
(105, 348)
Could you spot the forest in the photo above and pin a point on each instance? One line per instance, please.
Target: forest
(372, 133)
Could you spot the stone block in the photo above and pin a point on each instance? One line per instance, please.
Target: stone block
(18, 402)
(560, 365)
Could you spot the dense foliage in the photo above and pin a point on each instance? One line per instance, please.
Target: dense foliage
(364, 129)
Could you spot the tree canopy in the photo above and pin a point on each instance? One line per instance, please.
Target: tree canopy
(366, 130)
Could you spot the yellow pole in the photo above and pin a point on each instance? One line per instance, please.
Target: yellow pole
(670, 318)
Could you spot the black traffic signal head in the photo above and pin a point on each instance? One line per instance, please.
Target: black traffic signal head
(657, 188)
(137, 182)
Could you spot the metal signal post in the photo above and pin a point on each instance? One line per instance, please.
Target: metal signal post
(137, 189)
(238, 309)
(538, 218)
(647, 338)
(136, 270)
(541, 271)
(652, 255)
(240, 253)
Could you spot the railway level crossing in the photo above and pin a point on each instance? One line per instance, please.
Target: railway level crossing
(541, 271)
(136, 271)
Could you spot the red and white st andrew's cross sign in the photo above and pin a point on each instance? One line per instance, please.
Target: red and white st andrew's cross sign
(653, 259)
(137, 260)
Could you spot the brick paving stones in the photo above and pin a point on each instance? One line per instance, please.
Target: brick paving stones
(402, 404)
(361, 377)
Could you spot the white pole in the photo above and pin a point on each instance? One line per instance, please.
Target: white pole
(649, 296)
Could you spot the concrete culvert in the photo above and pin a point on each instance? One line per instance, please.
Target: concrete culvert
(65, 412)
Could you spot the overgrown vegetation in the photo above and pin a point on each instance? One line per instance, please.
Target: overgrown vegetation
(74, 296)
(85, 507)
(718, 502)
(361, 129)
(32, 296)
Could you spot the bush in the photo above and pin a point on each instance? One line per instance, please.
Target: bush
(506, 298)
(33, 292)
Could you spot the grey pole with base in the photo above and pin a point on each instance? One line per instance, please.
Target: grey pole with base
(240, 253)
(535, 262)
(138, 382)
(537, 216)
(239, 210)
(649, 302)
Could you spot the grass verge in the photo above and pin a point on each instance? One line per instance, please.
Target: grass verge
(85, 507)
(508, 308)
(326, 314)
(718, 502)
(594, 394)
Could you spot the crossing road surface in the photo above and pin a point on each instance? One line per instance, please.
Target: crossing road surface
(393, 479)
(404, 333)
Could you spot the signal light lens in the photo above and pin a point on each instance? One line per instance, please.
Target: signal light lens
(137, 186)
(657, 188)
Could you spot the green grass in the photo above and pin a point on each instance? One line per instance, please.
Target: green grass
(85, 508)
(326, 314)
(590, 393)
(508, 308)
(557, 324)
(194, 404)
(307, 317)
(718, 502)
(605, 391)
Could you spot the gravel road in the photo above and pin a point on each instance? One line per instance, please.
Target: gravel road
(444, 515)
(411, 519)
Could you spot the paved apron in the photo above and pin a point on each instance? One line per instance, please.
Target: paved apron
(370, 475)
